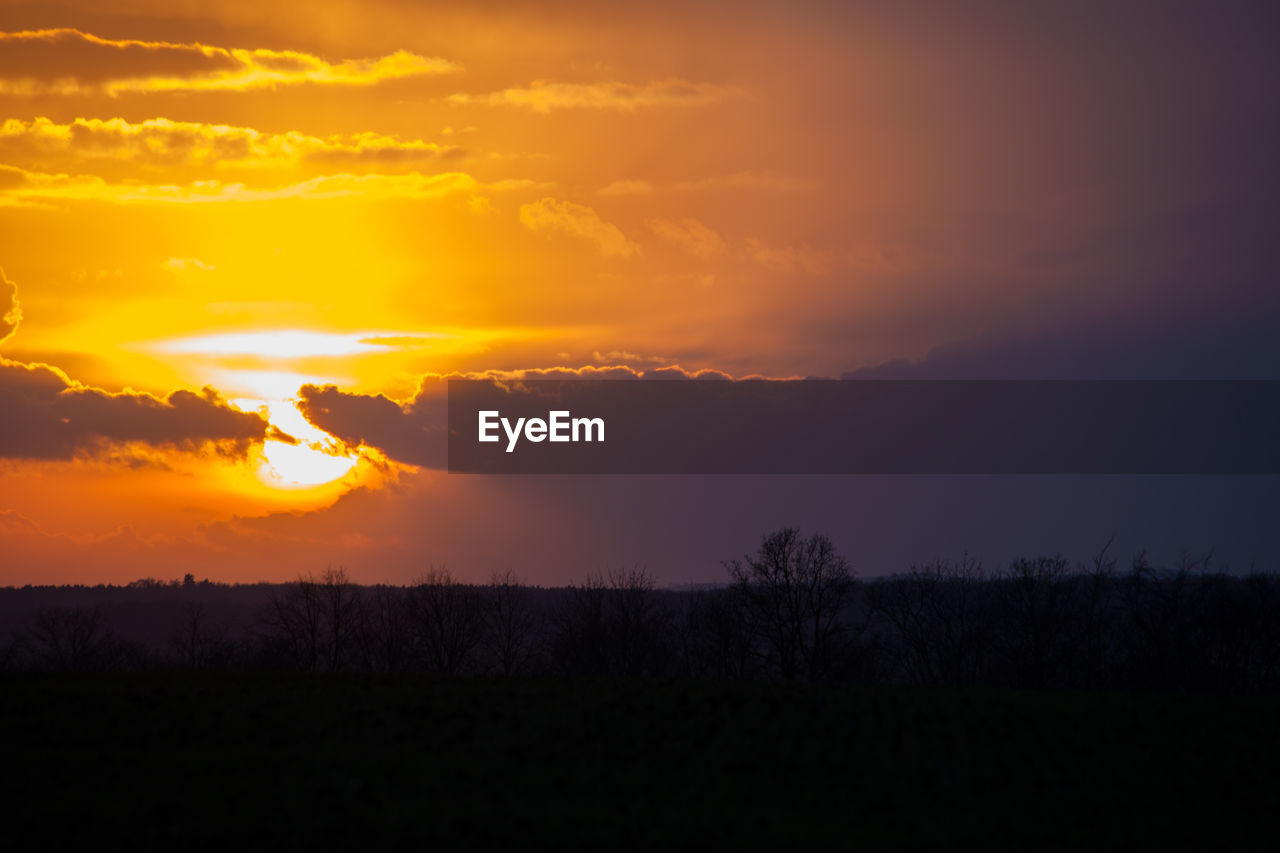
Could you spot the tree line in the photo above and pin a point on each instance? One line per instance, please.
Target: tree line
(793, 610)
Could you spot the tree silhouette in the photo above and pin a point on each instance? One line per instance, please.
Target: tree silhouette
(510, 622)
(613, 624)
(386, 637)
(294, 621)
(340, 615)
(446, 619)
(198, 641)
(796, 591)
(69, 639)
(715, 635)
(638, 626)
(578, 628)
(939, 615)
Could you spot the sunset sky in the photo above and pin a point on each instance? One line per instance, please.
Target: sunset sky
(241, 242)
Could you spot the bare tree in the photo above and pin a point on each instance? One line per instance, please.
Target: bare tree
(716, 636)
(1038, 631)
(446, 619)
(294, 620)
(1097, 583)
(796, 590)
(940, 618)
(1259, 613)
(197, 640)
(1160, 604)
(69, 639)
(510, 622)
(579, 627)
(340, 615)
(637, 626)
(613, 624)
(386, 637)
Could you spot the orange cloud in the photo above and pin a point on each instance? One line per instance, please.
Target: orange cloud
(549, 214)
(690, 235)
(791, 259)
(67, 61)
(626, 187)
(543, 96)
(733, 181)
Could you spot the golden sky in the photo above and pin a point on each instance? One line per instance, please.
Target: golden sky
(205, 207)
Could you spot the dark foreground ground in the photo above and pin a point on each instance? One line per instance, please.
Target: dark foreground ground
(311, 762)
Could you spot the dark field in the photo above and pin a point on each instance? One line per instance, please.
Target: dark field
(230, 761)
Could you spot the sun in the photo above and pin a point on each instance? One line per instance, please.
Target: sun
(262, 370)
(312, 458)
(300, 465)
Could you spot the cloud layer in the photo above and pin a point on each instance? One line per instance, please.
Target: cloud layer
(10, 309)
(690, 235)
(543, 96)
(49, 416)
(162, 142)
(416, 432)
(19, 186)
(578, 220)
(68, 61)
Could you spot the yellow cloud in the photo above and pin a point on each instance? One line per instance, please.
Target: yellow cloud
(20, 187)
(161, 141)
(550, 214)
(543, 96)
(67, 61)
(181, 265)
(10, 308)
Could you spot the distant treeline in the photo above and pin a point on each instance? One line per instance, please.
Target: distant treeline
(793, 610)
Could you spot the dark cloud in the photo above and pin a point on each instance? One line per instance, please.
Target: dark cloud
(416, 432)
(49, 416)
(1219, 345)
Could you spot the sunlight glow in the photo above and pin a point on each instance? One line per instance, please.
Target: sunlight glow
(292, 343)
(300, 465)
(267, 385)
(317, 457)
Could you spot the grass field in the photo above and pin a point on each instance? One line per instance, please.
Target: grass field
(297, 762)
